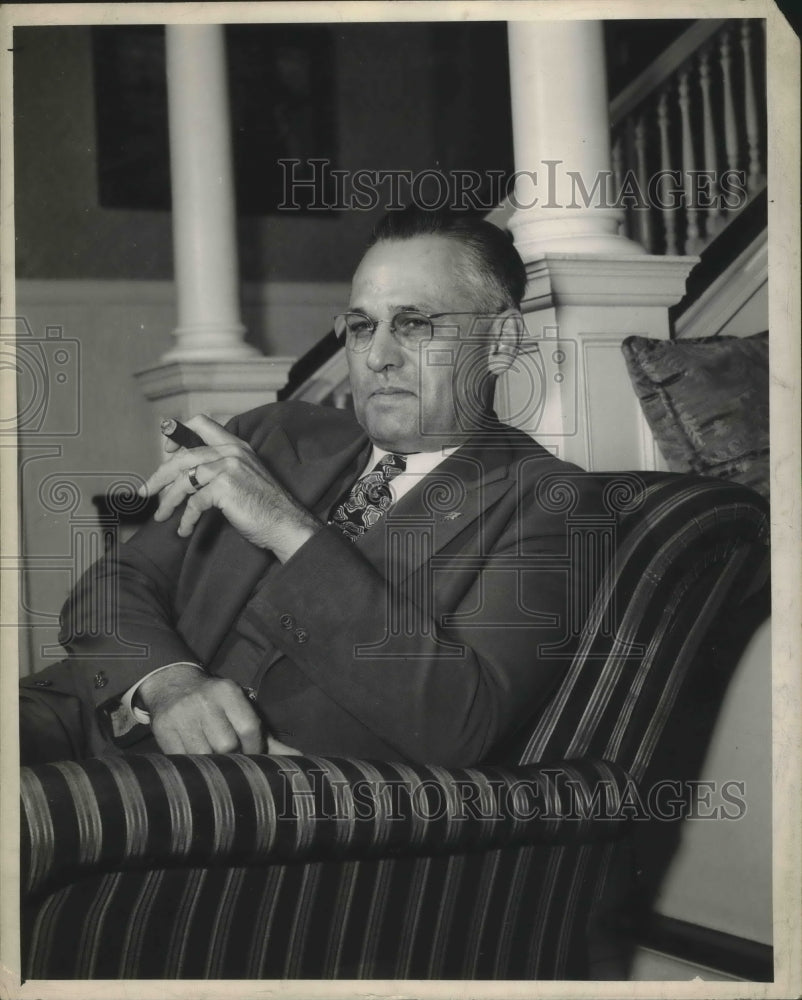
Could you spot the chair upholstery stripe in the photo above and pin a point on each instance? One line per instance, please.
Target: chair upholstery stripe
(412, 916)
(218, 941)
(263, 924)
(572, 896)
(179, 805)
(40, 824)
(221, 803)
(372, 779)
(138, 921)
(134, 806)
(606, 593)
(89, 942)
(671, 689)
(412, 779)
(516, 887)
(484, 889)
(179, 939)
(300, 921)
(339, 926)
(536, 950)
(455, 866)
(264, 804)
(87, 814)
(43, 933)
(378, 903)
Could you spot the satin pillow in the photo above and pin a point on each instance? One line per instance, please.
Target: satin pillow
(707, 403)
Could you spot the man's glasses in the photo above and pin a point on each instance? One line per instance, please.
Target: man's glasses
(409, 327)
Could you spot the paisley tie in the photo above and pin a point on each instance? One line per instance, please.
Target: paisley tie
(368, 499)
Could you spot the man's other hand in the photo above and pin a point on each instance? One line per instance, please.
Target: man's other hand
(192, 712)
(229, 476)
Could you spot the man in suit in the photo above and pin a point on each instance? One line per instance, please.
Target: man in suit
(390, 586)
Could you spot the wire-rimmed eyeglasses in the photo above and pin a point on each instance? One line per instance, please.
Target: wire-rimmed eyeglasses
(409, 327)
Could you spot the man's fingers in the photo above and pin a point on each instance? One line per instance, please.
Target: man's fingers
(168, 737)
(245, 722)
(212, 432)
(196, 505)
(177, 465)
(216, 717)
(181, 461)
(217, 734)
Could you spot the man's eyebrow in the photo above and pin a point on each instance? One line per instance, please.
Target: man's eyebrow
(424, 307)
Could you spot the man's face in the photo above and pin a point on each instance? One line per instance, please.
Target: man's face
(407, 399)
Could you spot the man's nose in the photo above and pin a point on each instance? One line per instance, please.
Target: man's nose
(384, 350)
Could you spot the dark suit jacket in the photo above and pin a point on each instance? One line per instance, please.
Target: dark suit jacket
(423, 640)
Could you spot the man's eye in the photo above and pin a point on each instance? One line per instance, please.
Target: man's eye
(410, 324)
(359, 327)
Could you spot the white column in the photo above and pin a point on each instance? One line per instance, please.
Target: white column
(204, 218)
(210, 369)
(561, 134)
(588, 287)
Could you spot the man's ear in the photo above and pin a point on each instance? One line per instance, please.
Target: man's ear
(508, 332)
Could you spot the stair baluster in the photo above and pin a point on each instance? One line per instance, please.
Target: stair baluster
(693, 241)
(669, 213)
(756, 178)
(730, 126)
(714, 217)
(644, 214)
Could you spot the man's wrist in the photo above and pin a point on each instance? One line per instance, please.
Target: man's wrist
(138, 695)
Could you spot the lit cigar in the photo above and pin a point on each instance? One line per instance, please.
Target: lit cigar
(181, 434)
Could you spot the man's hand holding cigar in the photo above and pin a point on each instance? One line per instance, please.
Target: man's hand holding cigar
(223, 472)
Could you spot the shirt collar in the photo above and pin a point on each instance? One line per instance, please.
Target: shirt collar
(418, 463)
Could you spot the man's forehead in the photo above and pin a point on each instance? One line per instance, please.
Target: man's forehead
(425, 272)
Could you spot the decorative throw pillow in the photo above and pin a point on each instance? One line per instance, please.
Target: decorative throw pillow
(707, 403)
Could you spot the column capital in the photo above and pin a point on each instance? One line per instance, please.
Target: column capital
(620, 280)
(219, 387)
(570, 388)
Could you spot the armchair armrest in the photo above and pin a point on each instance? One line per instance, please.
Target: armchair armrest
(156, 811)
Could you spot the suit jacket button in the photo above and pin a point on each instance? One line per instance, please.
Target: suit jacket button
(301, 635)
(43, 684)
(286, 621)
(101, 680)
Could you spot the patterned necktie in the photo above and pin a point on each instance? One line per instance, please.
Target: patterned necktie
(368, 499)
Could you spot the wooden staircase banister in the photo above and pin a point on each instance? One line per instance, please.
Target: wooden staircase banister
(667, 63)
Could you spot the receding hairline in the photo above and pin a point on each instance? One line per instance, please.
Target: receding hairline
(484, 293)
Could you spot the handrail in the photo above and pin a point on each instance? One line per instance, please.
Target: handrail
(662, 67)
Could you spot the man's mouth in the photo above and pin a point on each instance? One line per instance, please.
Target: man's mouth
(391, 391)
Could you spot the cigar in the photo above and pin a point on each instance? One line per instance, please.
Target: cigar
(181, 434)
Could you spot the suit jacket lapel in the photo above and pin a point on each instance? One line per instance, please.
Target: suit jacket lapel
(446, 502)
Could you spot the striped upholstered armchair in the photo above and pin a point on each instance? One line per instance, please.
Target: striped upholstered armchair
(284, 867)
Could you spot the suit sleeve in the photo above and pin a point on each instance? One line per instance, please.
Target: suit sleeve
(439, 686)
(122, 615)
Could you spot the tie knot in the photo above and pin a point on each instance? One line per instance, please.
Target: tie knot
(391, 466)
